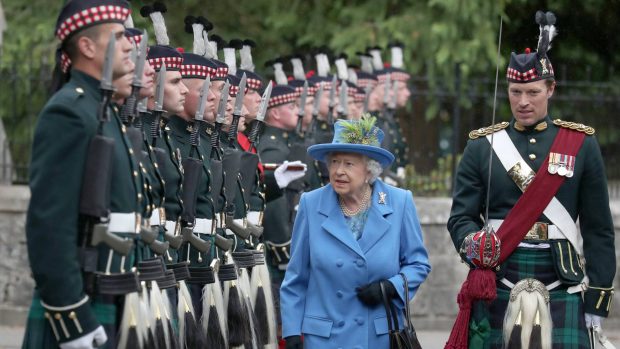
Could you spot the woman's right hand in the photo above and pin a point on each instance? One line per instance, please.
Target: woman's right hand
(294, 342)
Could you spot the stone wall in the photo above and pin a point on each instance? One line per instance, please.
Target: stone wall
(434, 306)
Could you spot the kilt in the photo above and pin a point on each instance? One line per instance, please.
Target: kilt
(569, 329)
(39, 333)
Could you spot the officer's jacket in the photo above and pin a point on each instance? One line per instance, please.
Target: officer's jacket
(318, 295)
(584, 196)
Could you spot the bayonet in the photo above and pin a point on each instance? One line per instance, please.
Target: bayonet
(199, 115)
(260, 116)
(108, 65)
(220, 119)
(367, 91)
(342, 106)
(140, 60)
(158, 110)
(332, 100)
(315, 110)
(386, 89)
(232, 130)
(392, 104)
(129, 110)
(302, 108)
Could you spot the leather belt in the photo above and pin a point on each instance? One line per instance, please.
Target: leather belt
(204, 226)
(116, 284)
(538, 232)
(124, 223)
(201, 275)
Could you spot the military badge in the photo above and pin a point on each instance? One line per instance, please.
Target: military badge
(382, 197)
(563, 165)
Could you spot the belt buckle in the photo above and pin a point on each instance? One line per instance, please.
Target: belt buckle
(137, 223)
(162, 216)
(539, 231)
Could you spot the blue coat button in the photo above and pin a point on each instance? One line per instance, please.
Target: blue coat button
(339, 294)
(340, 323)
(360, 263)
(359, 321)
(339, 263)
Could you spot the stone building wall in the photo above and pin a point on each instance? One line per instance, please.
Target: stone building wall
(434, 306)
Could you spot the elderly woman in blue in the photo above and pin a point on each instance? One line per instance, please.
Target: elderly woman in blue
(348, 237)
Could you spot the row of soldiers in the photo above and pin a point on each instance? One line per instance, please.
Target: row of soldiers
(155, 172)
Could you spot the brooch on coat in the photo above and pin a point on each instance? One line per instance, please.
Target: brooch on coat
(382, 197)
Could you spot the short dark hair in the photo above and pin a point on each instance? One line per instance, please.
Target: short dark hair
(549, 82)
(70, 46)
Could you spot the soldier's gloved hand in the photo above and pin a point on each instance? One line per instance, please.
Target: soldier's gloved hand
(593, 320)
(400, 172)
(371, 294)
(90, 340)
(294, 342)
(288, 172)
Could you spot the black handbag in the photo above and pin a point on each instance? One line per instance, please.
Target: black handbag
(405, 338)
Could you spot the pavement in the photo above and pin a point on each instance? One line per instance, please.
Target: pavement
(11, 338)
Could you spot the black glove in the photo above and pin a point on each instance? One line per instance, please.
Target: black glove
(371, 293)
(294, 342)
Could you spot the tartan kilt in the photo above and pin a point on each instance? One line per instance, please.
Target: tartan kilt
(39, 333)
(569, 329)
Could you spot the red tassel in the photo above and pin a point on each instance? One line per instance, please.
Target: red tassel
(479, 286)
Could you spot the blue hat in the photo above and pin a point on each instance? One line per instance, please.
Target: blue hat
(351, 136)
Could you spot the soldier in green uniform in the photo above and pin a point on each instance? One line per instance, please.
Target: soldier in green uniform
(273, 150)
(548, 263)
(67, 310)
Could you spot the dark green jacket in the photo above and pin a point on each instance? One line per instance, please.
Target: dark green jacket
(64, 129)
(584, 196)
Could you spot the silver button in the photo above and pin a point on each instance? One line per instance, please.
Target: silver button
(532, 156)
(532, 140)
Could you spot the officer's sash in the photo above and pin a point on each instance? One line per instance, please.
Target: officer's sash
(539, 193)
(522, 175)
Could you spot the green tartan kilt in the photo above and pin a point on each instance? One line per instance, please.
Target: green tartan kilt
(569, 329)
(39, 333)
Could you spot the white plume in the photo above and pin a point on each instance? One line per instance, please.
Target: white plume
(231, 60)
(159, 26)
(279, 75)
(246, 58)
(298, 69)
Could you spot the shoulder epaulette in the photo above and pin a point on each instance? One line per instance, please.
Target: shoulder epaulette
(575, 126)
(485, 131)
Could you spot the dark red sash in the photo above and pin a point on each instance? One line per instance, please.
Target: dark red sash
(480, 283)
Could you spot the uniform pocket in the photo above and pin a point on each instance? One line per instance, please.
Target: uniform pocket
(566, 262)
(317, 326)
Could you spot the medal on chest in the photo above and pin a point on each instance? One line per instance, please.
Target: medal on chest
(561, 164)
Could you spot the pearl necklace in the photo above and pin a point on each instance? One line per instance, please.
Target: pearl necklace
(363, 204)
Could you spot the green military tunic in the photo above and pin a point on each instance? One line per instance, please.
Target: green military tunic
(181, 131)
(584, 196)
(65, 127)
(171, 174)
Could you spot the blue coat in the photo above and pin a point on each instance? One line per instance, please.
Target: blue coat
(318, 297)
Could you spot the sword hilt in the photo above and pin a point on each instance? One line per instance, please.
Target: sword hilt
(299, 125)
(234, 126)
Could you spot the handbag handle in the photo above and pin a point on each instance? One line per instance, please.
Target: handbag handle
(392, 319)
(406, 310)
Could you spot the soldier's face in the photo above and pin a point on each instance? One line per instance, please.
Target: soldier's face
(402, 94)
(529, 101)
(175, 93)
(308, 112)
(376, 97)
(251, 101)
(347, 173)
(354, 113)
(148, 81)
(122, 61)
(324, 104)
(192, 100)
(288, 115)
(123, 87)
